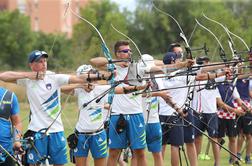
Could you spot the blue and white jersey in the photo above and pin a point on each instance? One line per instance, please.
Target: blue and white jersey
(125, 103)
(92, 117)
(5, 124)
(44, 99)
(242, 86)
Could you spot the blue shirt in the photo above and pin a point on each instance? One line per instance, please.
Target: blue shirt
(6, 138)
(243, 89)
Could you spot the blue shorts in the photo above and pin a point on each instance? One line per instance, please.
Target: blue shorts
(172, 130)
(97, 144)
(52, 146)
(207, 122)
(189, 132)
(154, 137)
(133, 135)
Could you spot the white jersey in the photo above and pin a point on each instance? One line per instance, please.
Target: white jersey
(91, 118)
(44, 100)
(178, 95)
(150, 109)
(204, 101)
(125, 103)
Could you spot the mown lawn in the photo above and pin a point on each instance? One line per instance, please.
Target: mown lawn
(69, 118)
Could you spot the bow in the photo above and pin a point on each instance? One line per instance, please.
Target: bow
(222, 52)
(230, 40)
(107, 54)
(4, 154)
(182, 34)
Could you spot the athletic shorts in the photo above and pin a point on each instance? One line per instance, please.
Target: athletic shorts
(227, 127)
(51, 147)
(207, 122)
(154, 137)
(133, 134)
(189, 133)
(172, 130)
(245, 123)
(97, 144)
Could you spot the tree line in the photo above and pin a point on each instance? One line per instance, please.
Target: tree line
(151, 30)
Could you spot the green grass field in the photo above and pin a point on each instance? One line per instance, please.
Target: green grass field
(69, 118)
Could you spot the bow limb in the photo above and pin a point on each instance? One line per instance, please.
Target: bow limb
(230, 40)
(222, 52)
(245, 44)
(107, 54)
(138, 50)
(182, 34)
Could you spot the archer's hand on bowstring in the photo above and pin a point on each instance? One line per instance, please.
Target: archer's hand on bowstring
(227, 72)
(36, 75)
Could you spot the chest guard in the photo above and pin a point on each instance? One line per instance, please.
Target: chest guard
(5, 105)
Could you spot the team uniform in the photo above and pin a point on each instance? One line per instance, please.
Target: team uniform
(90, 126)
(9, 106)
(45, 111)
(126, 108)
(152, 124)
(227, 120)
(172, 125)
(205, 104)
(244, 122)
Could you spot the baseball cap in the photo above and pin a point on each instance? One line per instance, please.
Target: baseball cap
(35, 55)
(170, 57)
(84, 69)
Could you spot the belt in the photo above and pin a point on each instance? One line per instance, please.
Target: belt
(89, 133)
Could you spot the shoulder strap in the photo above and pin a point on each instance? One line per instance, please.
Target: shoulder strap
(5, 105)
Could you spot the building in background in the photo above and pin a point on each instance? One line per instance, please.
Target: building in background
(46, 15)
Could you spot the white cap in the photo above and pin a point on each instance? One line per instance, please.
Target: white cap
(83, 69)
(148, 60)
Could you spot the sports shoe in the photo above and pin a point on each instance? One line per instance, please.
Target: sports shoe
(203, 156)
(236, 163)
(247, 160)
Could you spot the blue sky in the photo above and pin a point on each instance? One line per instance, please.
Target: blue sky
(129, 4)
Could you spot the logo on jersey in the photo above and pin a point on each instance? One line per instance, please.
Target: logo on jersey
(96, 115)
(30, 156)
(49, 86)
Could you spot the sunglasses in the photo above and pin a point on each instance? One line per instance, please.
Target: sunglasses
(125, 51)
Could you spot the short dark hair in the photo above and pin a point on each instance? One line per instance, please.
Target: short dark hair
(172, 46)
(120, 43)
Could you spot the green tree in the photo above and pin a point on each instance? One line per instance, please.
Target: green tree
(16, 40)
(59, 49)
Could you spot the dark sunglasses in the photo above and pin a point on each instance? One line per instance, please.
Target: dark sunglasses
(125, 51)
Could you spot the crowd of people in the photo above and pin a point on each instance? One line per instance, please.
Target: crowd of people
(168, 102)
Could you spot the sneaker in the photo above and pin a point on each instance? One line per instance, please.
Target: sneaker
(247, 160)
(236, 163)
(207, 157)
(230, 161)
(239, 156)
(201, 156)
